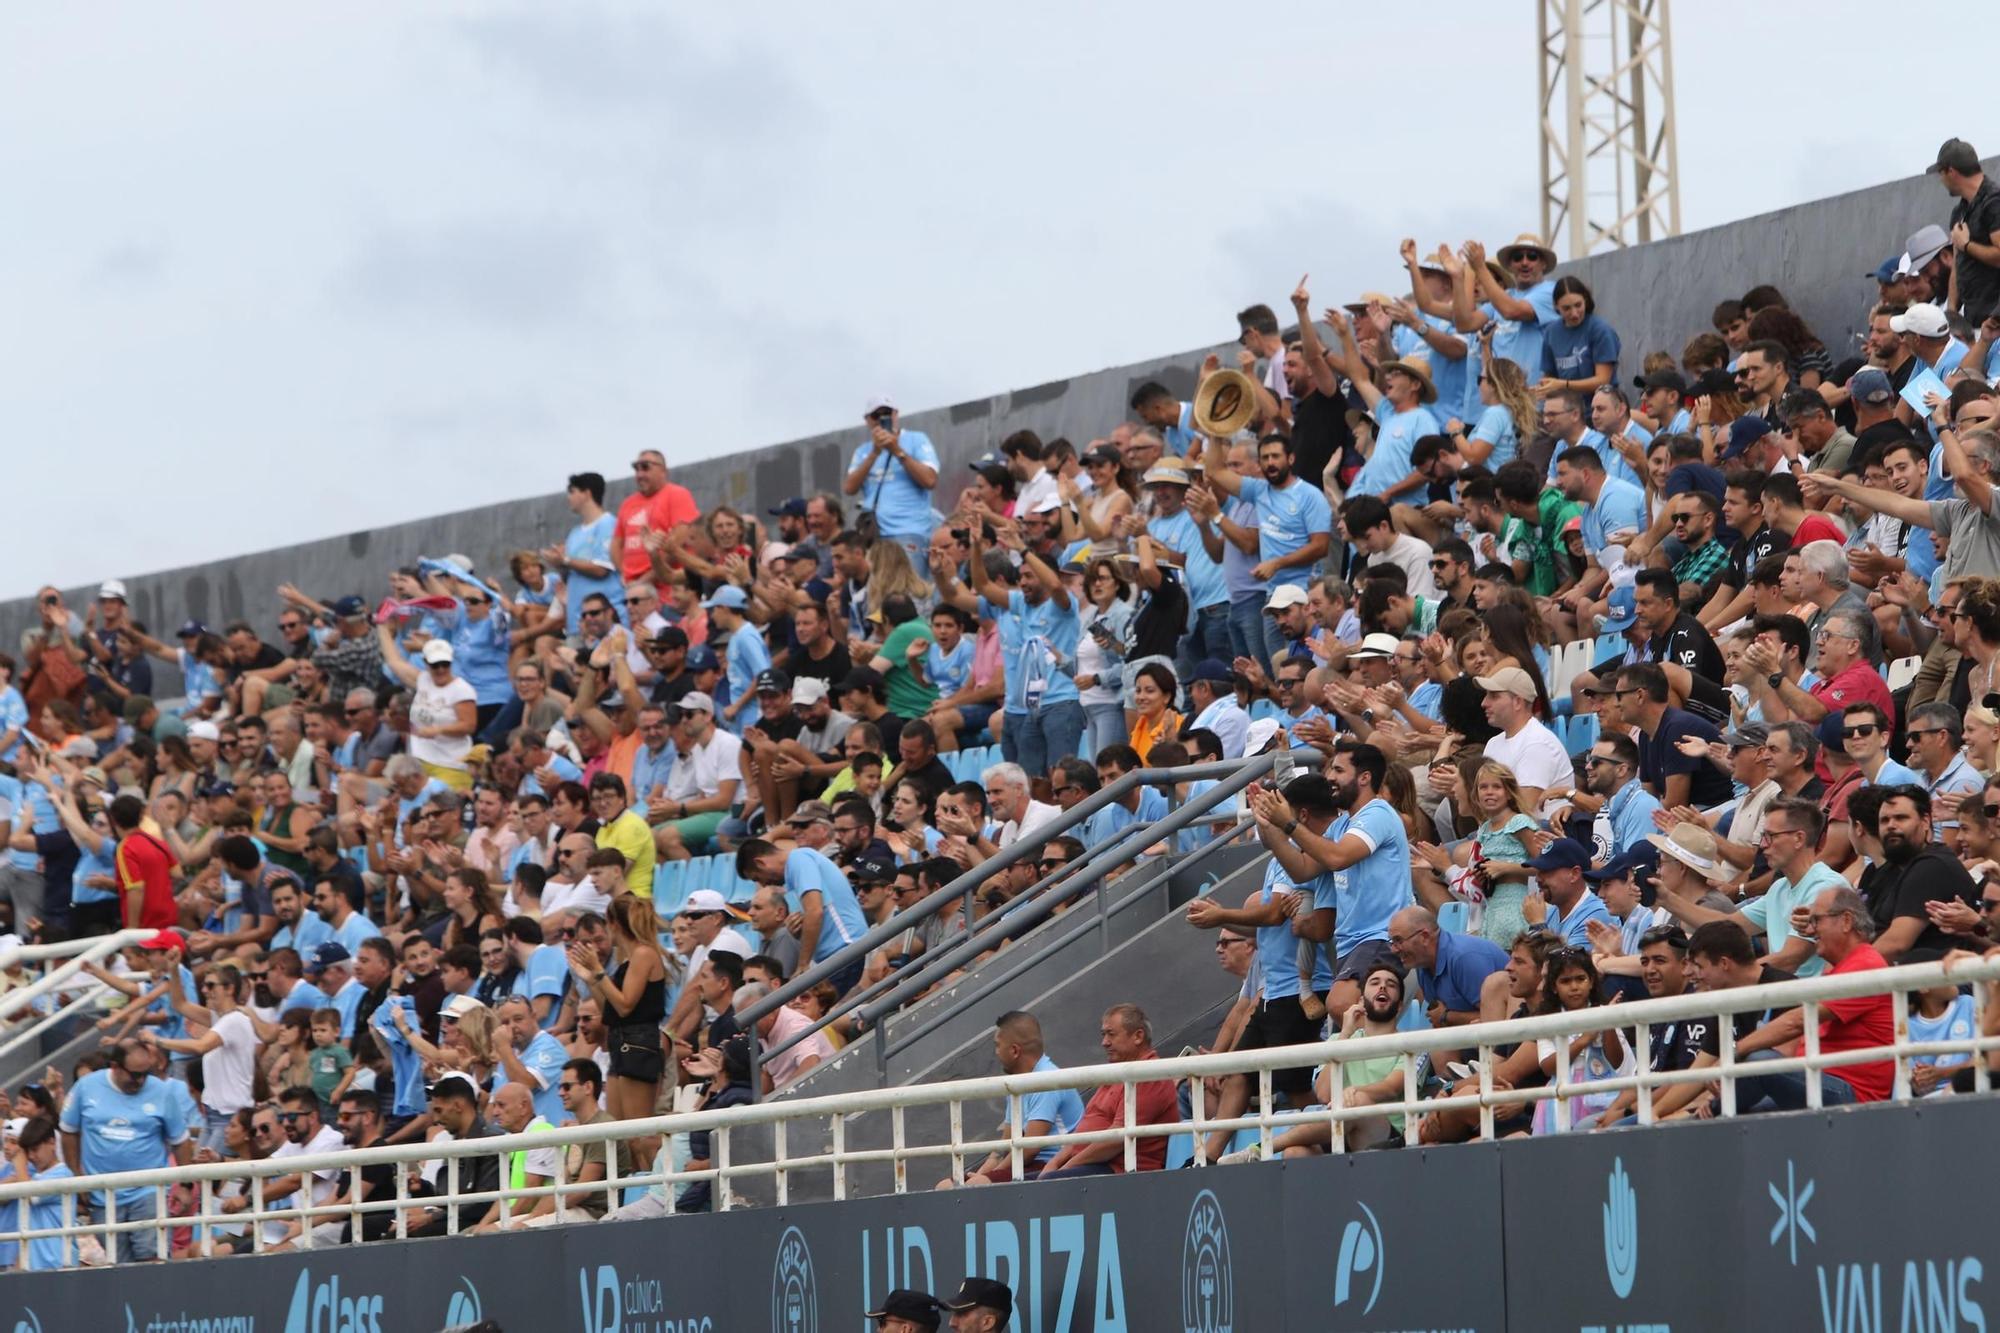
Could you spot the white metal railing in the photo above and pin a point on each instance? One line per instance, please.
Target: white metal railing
(1638, 1020)
(73, 992)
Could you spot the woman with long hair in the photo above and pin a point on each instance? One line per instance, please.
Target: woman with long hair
(1716, 407)
(1495, 855)
(1399, 788)
(474, 907)
(1979, 608)
(890, 572)
(1107, 609)
(445, 712)
(1570, 984)
(906, 823)
(1806, 359)
(1581, 352)
(634, 997)
(1507, 416)
(1515, 629)
(287, 1060)
(1113, 494)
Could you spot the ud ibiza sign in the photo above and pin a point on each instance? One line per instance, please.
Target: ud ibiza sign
(1806, 1222)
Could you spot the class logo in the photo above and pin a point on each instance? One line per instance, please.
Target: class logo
(1208, 1278)
(463, 1307)
(794, 1291)
(1621, 1231)
(1362, 1257)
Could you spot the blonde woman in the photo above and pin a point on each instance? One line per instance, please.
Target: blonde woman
(1982, 739)
(890, 572)
(1507, 415)
(1495, 855)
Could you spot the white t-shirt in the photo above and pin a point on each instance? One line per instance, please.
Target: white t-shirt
(1536, 757)
(437, 706)
(582, 896)
(325, 1184)
(1042, 486)
(1037, 814)
(228, 1073)
(702, 770)
(1413, 557)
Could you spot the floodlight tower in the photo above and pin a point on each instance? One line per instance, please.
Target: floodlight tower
(1609, 176)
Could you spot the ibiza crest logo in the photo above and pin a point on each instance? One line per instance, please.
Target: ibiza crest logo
(1208, 1278)
(794, 1292)
(29, 1322)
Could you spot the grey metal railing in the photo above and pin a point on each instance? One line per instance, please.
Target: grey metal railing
(1230, 777)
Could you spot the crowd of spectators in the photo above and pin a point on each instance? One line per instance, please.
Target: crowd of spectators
(1585, 639)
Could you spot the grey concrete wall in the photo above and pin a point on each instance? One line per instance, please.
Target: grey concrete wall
(1656, 295)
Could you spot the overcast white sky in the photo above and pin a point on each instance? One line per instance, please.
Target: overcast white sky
(274, 272)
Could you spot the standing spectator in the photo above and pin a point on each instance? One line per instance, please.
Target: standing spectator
(633, 998)
(658, 505)
(1191, 542)
(227, 1047)
(981, 1306)
(894, 473)
(1039, 632)
(816, 890)
(145, 870)
(1975, 218)
(124, 1118)
(1401, 412)
(1127, 1037)
(444, 713)
(746, 654)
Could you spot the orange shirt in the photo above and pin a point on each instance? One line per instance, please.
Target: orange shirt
(1146, 734)
(666, 508)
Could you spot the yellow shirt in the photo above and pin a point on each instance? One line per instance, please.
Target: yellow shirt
(634, 837)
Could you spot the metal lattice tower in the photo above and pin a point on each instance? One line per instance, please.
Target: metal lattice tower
(1609, 176)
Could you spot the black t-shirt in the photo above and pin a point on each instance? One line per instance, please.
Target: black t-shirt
(1688, 644)
(786, 728)
(833, 668)
(266, 657)
(378, 1182)
(1901, 890)
(935, 777)
(1978, 282)
(1319, 432)
(666, 692)
(1659, 758)
(1750, 551)
(1155, 631)
(1706, 1032)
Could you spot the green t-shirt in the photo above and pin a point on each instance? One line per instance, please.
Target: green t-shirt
(328, 1063)
(909, 696)
(1541, 544)
(1360, 1073)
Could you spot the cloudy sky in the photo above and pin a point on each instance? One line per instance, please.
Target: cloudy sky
(277, 272)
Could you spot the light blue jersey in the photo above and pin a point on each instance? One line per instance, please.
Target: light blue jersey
(808, 871)
(1287, 518)
(1376, 887)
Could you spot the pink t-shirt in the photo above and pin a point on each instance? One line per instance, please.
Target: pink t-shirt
(784, 1067)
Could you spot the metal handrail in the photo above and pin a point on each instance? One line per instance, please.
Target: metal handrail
(1238, 774)
(1410, 1047)
(960, 889)
(79, 952)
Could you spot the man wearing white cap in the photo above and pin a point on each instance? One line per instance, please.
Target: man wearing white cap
(1290, 610)
(894, 473)
(1530, 750)
(702, 782)
(1927, 333)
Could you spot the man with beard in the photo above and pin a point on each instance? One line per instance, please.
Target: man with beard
(1375, 1082)
(1293, 910)
(1294, 520)
(1915, 872)
(1624, 808)
(1400, 411)
(1320, 433)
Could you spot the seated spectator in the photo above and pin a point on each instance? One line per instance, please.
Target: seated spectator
(1018, 1049)
(1449, 970)
(1126, 1036)
(1365, 1083)
(1842, 930)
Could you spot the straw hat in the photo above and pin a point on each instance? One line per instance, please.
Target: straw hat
(1527, 240)
(1418, 371)
(1694, 847)
(1224, 403)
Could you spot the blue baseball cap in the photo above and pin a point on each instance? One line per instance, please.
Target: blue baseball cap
(1885, 272)
(347, 608)
(1621, 610)
(701, 657)
(1562, 854)
(792, 508)
(728, 595)
(1213, 669)
(327, 955)
(1744, 432)
(192, 628)
(1871, 386)
(1636, 857)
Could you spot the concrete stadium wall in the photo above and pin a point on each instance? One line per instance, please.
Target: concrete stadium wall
(1655, 295)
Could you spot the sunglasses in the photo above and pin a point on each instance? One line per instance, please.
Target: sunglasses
(292, 1117)
(1051, 865)
(1866, 729)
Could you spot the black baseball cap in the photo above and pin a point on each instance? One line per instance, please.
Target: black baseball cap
(773, 681)
(919, 1307)
(977, 1293)
(1663, 379)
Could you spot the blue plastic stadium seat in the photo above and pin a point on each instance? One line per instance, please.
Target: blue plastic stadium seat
(740, 890)
(670, 887)
(1454, 916)
(1560, 726)
(1582, 733)
(1607, 644)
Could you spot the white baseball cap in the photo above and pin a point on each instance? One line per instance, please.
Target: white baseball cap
(437, 650)
(204, 731)
(1284, 595)
(877, 402)
(1923, 319)
(808, 690)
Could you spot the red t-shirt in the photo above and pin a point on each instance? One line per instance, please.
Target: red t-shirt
(1859, 684)
(1858, 1024)
(1159, 1104)
(666, 508)
(143, 859)
(1817, 528)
